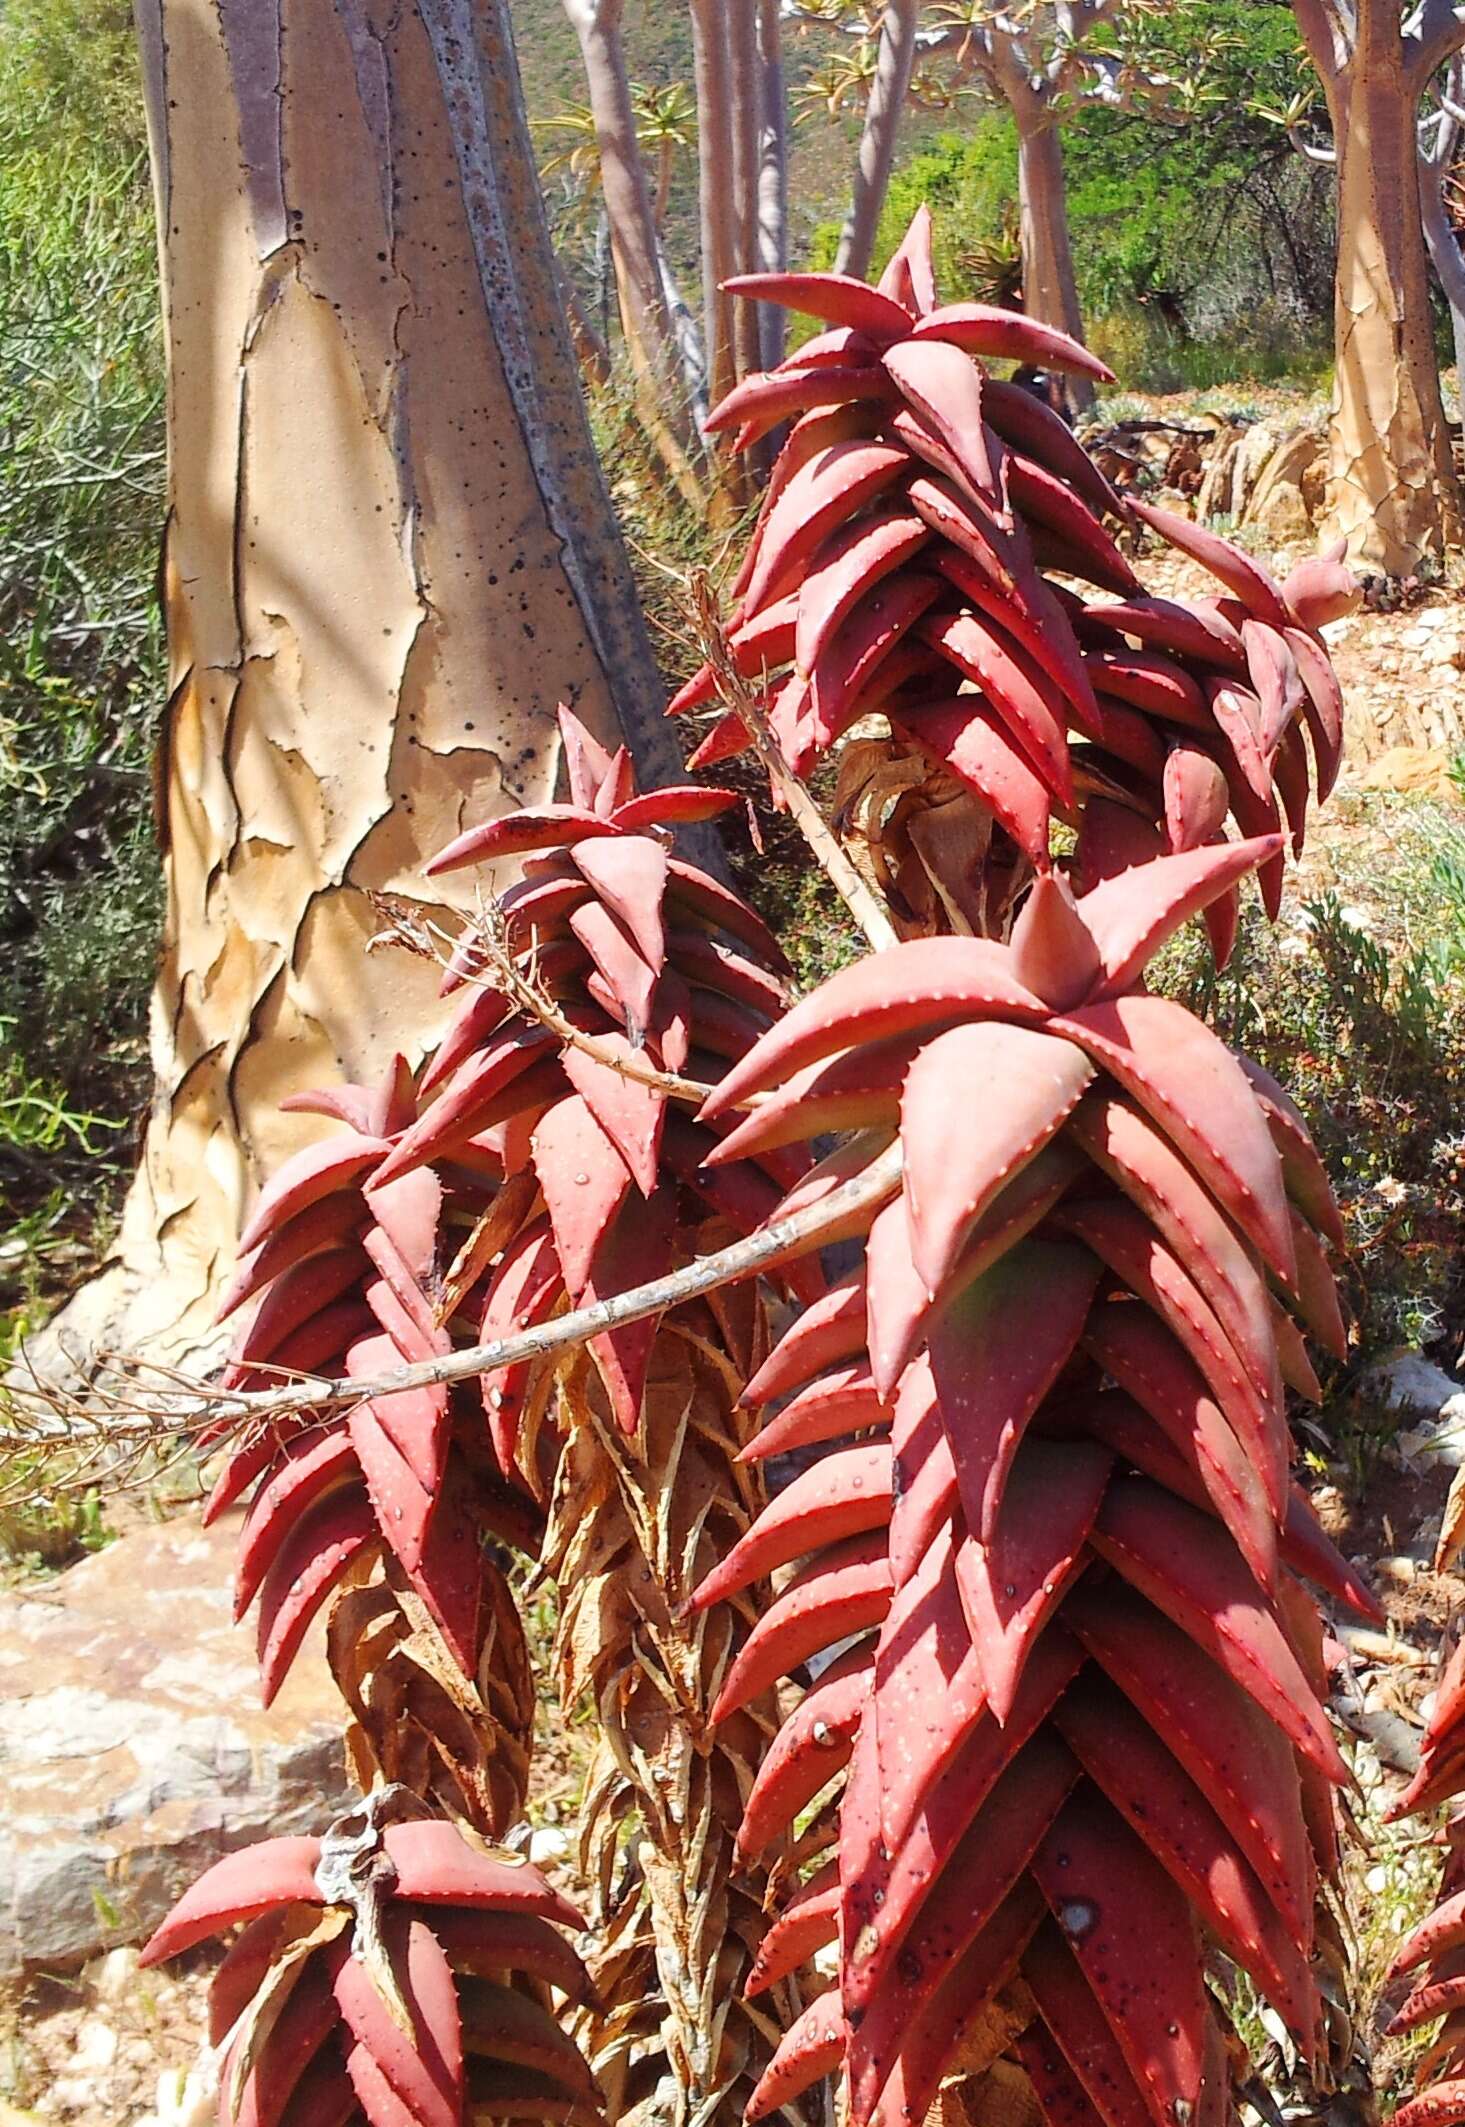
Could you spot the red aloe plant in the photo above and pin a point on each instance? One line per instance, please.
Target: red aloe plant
(536, 1161)
(903, 567)
(1081, 1727)
(1073, 1730)
(391, 1972)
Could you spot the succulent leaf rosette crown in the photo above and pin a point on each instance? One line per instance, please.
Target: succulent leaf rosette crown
(905, 568)
(1081, 1727)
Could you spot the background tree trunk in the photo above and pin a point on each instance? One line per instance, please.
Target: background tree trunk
(714, 186)
(1392, 490)
(1049, 286)
(623, 184)
(388, 554)
(746, 84)
(894, 63)
(772, 178)
(1445, 256)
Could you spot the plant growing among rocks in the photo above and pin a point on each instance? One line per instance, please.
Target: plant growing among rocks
(1061, 1760)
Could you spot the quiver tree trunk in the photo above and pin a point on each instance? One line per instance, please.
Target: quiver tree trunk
(1049, 286)
(1392, 489)
(894, 64)
(388, 554)
(646, 324)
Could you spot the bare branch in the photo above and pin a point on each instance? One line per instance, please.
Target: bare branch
(1431, 34)
(862, 904)
(524, 991)
(39, 1418)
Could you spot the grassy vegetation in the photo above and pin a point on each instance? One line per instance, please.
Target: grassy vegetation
(81, 472)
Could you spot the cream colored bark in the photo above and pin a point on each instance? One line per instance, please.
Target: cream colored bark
(1392, 491)
(388, 554)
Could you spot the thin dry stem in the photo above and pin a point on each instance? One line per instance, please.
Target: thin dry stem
(825, 844)
(521, 989)
(38, 1418)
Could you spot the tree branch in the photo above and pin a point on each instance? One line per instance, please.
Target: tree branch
(204, 1406)
(829, 852)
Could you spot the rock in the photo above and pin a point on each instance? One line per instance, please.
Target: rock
(133, 1747)
(1412, 1385)
(1422, 769)
(113, 1977)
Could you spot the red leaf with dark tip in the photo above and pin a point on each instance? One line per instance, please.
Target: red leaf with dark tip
(837, 297)
(628, 1110)
(327, 1224)
(307, 1566)
(812, 2047)
(812, 1745)
(761, 401)
(1237, 1757)
(516, 833)
(1145, 1971)
(1190, 628)
(841, 1401)
(983, 329)
(1197, 1092)
(630, 978)
(1190, 1569)
(304, 1469)
(996, 1350)
(1031, 1083)
(843, 1494)
(1085, 2078)
(270, 1873)
(831, 1329)
(461, 1108)
(1047, 500)
(842, 1592)
(807, 1922)
(336, 1163)
(921, 984)
(1154, 683)
(1227, 562)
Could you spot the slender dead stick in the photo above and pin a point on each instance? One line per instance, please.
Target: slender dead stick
(797, 1234)
(829, 851)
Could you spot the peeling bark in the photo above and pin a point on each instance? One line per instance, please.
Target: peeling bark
(894, 63)
(388, 554)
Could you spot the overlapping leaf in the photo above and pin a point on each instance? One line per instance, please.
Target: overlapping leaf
(1078, 1735)
(916, 560)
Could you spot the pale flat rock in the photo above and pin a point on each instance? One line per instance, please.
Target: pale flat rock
(133, 1746)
